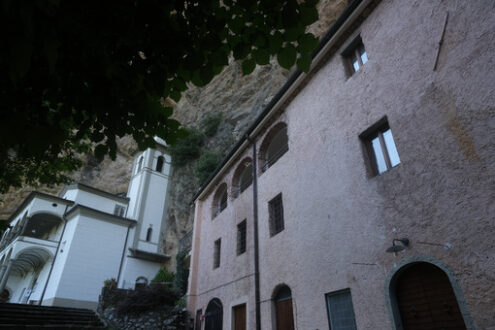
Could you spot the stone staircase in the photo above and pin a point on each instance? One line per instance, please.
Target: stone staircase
(19, 316)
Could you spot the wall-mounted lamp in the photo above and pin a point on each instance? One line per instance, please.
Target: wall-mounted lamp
(397, 248)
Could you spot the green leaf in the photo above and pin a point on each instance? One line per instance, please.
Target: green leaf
(308, 15)
(259, 41)
(100, 151)
(304, 62)
(275, 42)
(248, 66)
(175, 95)
(293, 33)
(307, 42)
(287, 56)
(261, 56)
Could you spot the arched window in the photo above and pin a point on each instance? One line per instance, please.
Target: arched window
(141, 282)
(140, 164)
(159, 164)
(275, 144)
(220, 200)
(243, 177)
(284, 317)
(422, 294)
(214, 315)
(149, 232)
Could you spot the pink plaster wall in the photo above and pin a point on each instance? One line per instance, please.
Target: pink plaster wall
(339, 219)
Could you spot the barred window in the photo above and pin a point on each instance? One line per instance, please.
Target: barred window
(276, 214)
(241, 238)
(340, 310)
(216, 253)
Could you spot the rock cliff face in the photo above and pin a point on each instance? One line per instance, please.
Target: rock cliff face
(238, 98)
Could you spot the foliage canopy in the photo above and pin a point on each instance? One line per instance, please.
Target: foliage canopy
(78, 74)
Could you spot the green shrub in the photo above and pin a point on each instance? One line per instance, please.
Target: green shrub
(210, 124)
(110, 283)
(187, 149)
(206, 164)
(182, 272)
(147, 299)
(164, 275)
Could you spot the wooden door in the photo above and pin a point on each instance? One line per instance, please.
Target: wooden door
(214, 315)
(240, 317)
(426, 300)
(285, 318)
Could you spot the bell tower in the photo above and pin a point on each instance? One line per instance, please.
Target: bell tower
(148, 197)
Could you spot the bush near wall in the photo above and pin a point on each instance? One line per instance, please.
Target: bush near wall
(206, 164)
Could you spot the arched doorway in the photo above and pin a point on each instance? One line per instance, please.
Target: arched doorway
(425, 299)
(283, 308)
(214, 315)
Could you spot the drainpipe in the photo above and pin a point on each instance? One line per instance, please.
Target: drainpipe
(256, 245)
(55, 256)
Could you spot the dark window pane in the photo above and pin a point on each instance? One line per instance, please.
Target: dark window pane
(340, 311)
(276, 213)
(216, 253)
(241, 238)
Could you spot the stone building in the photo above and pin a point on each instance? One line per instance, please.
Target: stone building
(363, 195)
(59, 250)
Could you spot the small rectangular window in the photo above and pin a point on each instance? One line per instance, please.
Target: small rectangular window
(241, 237)
(276, 214)
(340, 310)
(216, 253)
(119, 210)
(380, 146)
(355, 55)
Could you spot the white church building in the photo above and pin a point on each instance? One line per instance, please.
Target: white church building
(58, 250)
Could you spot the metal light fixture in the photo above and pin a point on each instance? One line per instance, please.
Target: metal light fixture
(397, 248)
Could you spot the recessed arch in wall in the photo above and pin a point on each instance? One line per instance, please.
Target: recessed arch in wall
(243, 176)
(274, 145)
(159, 164)
(219, 200)
(283, 308)
(437, 295)
(214, 315)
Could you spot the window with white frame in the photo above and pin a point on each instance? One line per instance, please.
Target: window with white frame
(355, 55)
(380, 146)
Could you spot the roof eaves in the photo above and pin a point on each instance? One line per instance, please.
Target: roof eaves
(293, 77)
(30, 197)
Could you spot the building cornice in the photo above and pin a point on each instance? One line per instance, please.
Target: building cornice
(87, 188)
(100, 215)
(32, 195)
(291, 87)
